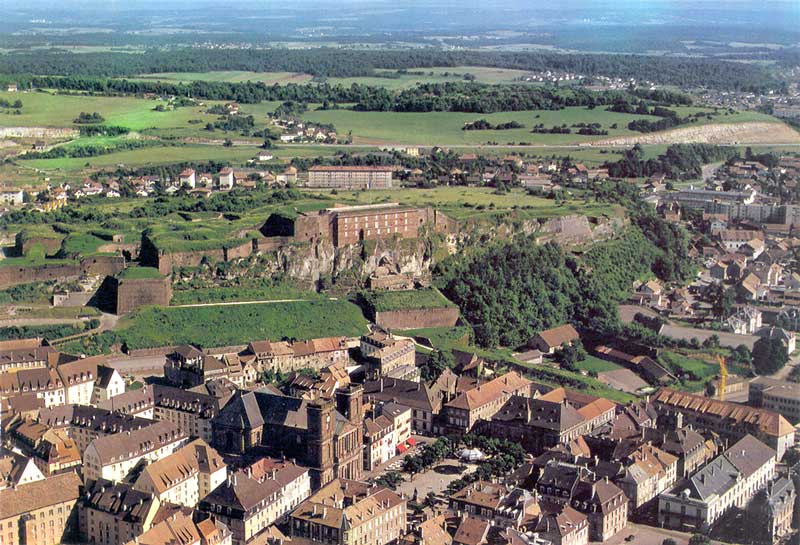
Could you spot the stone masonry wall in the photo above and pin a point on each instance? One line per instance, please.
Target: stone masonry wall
(419, 318)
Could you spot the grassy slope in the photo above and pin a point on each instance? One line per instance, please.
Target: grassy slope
(240, 324)
(408, 299)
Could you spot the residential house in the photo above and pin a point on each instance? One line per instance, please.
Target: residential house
(188, 177)
(550, 340)
(226, 179)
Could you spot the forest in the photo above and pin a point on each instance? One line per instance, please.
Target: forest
(329, 62)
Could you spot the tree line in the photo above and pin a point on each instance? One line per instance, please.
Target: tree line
(329, 62)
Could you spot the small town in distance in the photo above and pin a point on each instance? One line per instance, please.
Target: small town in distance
(353, 273)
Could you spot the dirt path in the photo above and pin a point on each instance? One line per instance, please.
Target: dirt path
(261, 302)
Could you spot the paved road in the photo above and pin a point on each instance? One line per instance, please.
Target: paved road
(727, 339)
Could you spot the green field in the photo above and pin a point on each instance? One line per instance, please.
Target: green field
(384, 301)
(443, 128)
(240, 324)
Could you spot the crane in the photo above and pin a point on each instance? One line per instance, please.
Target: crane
(723, 377)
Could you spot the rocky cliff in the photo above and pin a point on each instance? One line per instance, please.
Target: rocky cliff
(319, 264)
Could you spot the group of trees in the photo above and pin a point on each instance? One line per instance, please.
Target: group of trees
(330, 62)
(483, 125)
(678, 162)
(87, 118)
(510, 290)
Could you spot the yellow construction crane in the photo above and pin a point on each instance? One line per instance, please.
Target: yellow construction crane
(723, 377)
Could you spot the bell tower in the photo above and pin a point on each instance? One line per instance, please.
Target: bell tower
(321, 422)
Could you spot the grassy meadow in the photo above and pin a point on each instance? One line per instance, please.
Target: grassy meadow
(240, 324)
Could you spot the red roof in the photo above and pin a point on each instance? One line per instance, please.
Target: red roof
(411, 441)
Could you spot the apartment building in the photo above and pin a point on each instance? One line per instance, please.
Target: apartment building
(246, 506)
(483, 401)
(39, 512)
(350, 177)
(113, 456)
(387, 356)
(184, 477)
(346, 512)
(602, 501)
(112, 513)
(504, 506)
(780, 396)
(139, 403)
(84, 424)
(285, 356)
(730, 480)
(190, 411)
(109, 384)
(649, 471)
(731, 421)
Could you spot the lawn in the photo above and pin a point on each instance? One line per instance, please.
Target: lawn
(384, 301)
(593, 363)
(683, 364)
(240, 324)
(461, 202)
(139, 273)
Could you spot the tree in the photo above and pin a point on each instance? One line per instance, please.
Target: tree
(769, 355)
(436, 363)
(228, 143)
(699, 539)
(722, 301)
